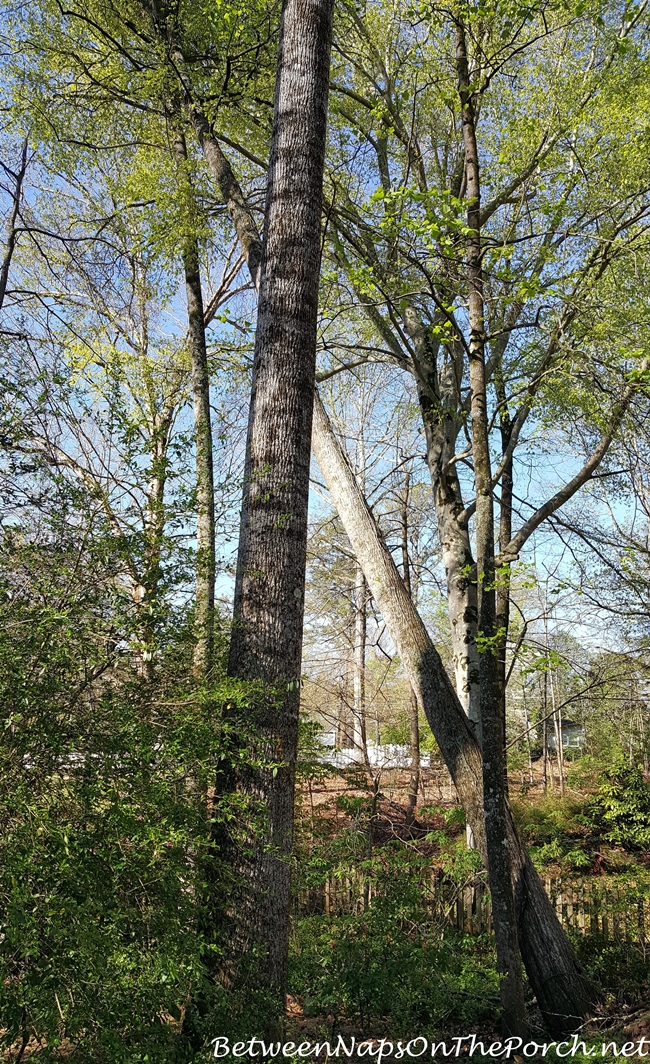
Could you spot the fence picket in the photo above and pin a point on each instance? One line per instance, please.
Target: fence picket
(587, 905)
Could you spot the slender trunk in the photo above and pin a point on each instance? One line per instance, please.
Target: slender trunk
(341, 732)
(222, 172)
(505, 535)
(438, 399)
(360, 605)
(414, 736)
(205, 520)
(561, 991)
(527, 727)
(359, 674)
(553, 715)
(545, 761)
(147, 592)
(12, 233)
(494, 797)
(269, 592)
(414, 721)
(560, 755)
(557, 725)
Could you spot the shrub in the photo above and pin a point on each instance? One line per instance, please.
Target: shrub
(621, 807)
(398, 959)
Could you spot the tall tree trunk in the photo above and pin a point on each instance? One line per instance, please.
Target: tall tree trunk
(505, 535)
(266, 639)
(414, 721)
(147, 593)
(557, 726)
(12, 228)
(359, 673)
(439, 404)
(545, 763)
(360, 606)
(205, 520)
(561, 991)
(494, 796)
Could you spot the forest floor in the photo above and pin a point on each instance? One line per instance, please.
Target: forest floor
(607, 882)
(404, 960)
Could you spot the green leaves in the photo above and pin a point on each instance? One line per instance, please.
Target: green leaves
(622, 806)
(395, 960)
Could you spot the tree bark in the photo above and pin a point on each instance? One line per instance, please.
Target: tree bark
(414, 737)
(12, 229)
(414, 720)
(269, 592)
(359, 673)
(205, 519)
(494, 797)
(505, 535)
(442, 420)
(561, 991)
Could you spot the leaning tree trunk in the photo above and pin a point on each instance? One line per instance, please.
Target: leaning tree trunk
(442, 421)
(560, 989)
(14, 219)
(205, 520)
(266, 639)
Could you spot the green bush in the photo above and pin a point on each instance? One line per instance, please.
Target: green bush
(621, 807)
(556, 831)
(620, 970)
(104, 862)
(111, 888)
(379, 964)
(105, 853)
(398, 960)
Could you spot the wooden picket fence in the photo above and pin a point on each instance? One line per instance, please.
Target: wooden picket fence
(615, 911)
(592, 906)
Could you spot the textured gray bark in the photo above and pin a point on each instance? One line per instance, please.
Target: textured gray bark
(359, 672)
(414, 721)
(266, 640)
(499, 858)
(561, 991)
(559, 987)
(442, 418)
(204, 469)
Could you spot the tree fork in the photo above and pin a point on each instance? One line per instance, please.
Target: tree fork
(561, 991)
(494, 797)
